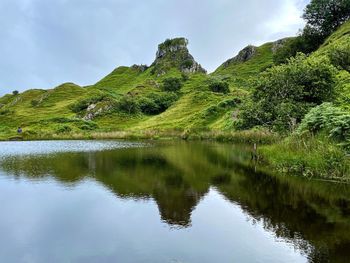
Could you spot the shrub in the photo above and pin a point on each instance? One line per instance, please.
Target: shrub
(156, 103)
(340, 56)
(284, 94)
(34, 103)
(128, 105)
(88, 126)
(219, 86)
(330, 119)
(5, 111)
(63, 129)
(148, 106)
(172, 84)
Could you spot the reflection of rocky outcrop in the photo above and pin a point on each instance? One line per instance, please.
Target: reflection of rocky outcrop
(313, 216)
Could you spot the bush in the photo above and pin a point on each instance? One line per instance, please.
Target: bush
(284, 94)
(219, 86)
(330, 119)
(172, 84)
(88, 126)
(340, 56)
(128, 105)
(63, 129)
(34, 103)
(156, 103)
(291, 47)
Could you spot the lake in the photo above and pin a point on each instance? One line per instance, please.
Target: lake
(113, 201)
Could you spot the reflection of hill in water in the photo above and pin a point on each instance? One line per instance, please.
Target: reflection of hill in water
(314, 216)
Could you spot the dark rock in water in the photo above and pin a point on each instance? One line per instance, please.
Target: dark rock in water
(173, 53)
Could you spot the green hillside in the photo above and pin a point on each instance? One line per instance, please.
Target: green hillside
(71, 110)
(136, 100)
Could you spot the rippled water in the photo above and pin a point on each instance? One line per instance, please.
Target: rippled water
(110, 201)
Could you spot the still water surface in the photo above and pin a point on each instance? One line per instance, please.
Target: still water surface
(109, 201)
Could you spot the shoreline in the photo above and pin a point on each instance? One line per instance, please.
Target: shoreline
(271, 152)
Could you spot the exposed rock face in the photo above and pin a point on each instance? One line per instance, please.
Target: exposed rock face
(141, 68)
(94, 110)
(244, 55)
(174, 53)
(278, 44)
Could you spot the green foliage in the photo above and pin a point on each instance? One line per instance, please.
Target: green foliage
(305, 43)
(330, 119)
(129, 105)
(63, 129)
(88, 126)
(309, 156)
(172, 84)
(173, 42)
(156, 103)
(340, 56)
(15, 92)
(283, 94)
(219, 86)
(239, 73)
(5, 112)
(34, 103)
(325, 16)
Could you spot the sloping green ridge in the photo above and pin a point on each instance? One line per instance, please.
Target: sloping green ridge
(50, 112)
(46, 111)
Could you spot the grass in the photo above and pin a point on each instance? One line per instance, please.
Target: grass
(309, 156)
(239, 73)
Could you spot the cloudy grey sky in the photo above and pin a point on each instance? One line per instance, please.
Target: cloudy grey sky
(47, 42)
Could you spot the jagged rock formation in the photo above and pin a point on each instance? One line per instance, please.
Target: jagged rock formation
(141, 68)
(279, 44)
(244, 55)
(173, 53)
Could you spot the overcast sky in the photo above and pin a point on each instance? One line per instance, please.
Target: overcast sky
(47, 42)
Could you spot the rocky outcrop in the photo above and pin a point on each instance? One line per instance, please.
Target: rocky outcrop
(173, 53)
(141, 68)
(244, 55)
(278, 44)
(94, 110)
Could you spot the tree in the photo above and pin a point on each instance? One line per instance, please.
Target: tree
(15, 92)
(128, 105)
(284, 94)
(325, 16)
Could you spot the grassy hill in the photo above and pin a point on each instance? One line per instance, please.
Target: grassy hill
(71, 110)
(121, 103)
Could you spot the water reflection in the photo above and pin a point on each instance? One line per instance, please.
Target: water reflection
(311, 215)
